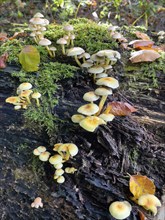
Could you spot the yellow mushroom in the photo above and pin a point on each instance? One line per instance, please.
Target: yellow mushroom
(120, 210)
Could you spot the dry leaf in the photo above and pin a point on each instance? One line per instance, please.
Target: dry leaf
(120, 108)
(141, 215)
(142, 36)
(3, 59)
(144, 56)
(3, 37)
(141, 43)
(140, 185)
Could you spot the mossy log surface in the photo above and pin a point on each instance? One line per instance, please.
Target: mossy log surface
(132, 144)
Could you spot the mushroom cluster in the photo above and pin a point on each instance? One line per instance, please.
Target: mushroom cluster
(38, 26)
(64, 153)
(91, 115)
(116, 35)
(24, 96)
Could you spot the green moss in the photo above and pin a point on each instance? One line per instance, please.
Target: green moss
(89, 35)
(13, 48)
(146, 73)
(39, 118)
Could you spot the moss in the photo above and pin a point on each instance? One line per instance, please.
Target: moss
(45, 82)
(89, 35)
(147, 73)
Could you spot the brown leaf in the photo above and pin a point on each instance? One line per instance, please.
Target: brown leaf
(3, 59)
(141, 215)
(120, 108)
(144, 56)
(141, 43)
(3, 37)
(140, 185)
(142, 36)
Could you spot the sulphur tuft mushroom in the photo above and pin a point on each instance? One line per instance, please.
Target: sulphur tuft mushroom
(44, 156)
(77, 118)
(36, 96)
(149, 202)
(37, 203)
(88, 109)
(61, 179)
(120, 210)
(90, 123)
(70, 170)
(55, 159)
(75, 51)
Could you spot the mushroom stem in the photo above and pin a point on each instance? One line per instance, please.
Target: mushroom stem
(37, 102)
(77, 61)
(63, 49)
(72, 42)
(108, 109)
(107, 61)
(49, 51)
(101, 104)
(28, 99)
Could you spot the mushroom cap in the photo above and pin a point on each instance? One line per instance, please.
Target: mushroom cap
(77, 118)
(88, 109)
(72, 36)
(117, 35)
(37, 203)
(87, 64)
(53, 48)
(90, 96)
(38, 15)
(86, 55)
(60, 179)
(36, 95)
(109, 82)
(15, 100)
(25, 86)
(90, 123)
(61, 41)
(37, 21)
(120, 210)
(101, 75)
(41, 149)
(109, 54)
(56, 146)
(26, 93)
(44, 42)
(36, 152)
(149, 202)
(75, 51)
(96, 69)
(17, 107)
(55, 159)
(70, 170)
(107, 117)
(59, 172)
(96, 58)
(44, 156)
(103, 91)
(58, 166)
(73, 149)
(68, 28)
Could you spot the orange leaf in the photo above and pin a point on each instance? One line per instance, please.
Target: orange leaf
(144, 56)
(140, 185)
(142, 36)
(120, 108)
(141, 43)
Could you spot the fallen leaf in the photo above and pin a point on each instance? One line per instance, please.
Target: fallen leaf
(119, 108)
(141, 43)
(140, 185)
(142, 36)
(29, 58)
(141, 215)
(18, 34)
(144, 56)
(3, 59)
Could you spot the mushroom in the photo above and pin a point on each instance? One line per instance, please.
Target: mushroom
(60, 179)
(26, 94)
(37, 203)
(149, 202)
(77, 118)
(59, 172)
(36, 95)
(90, 123)
(58, 166)
(75, 51)
(62, 42)
(70, 170)
(53, 49)
(45, 42)
(15, 100)
(107, 117)
(56, 159)
(44, 156)
(24, 86)
(88, 109)
(120, 210)
(90, 96)
(109, 82)
(68, 149)
(104, 92)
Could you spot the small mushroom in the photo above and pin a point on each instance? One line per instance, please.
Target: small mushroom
(44, 156)
(109, 82)
(120, 210)
(149, 202)
(70, 170)
(36, 95)
(61, 179)
(90, 96)
(88, 109)
(56, 159)
(90, 123)
(26, 94)
(62, 42)
(37, 203)
(59, 172)
(77, 118)
(75, 51)
(45, 42)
